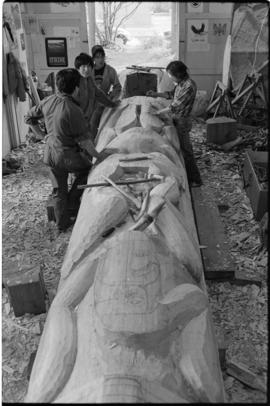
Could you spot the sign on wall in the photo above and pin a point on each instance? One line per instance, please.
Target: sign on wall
(218, 31)
(195, 7)
(16, 16)
(65, 7)
(197, 36)
(223, 7)
(56, 52)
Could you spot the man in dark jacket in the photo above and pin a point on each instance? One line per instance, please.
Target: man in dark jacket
(68, 135)
(89, 95)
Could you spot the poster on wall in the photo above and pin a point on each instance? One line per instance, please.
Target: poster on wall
(218, 31)
(65, 7)
(195, 7)
(31, 25)
(61, 31)
(223, 7)
(56, 52)
(197, 36)
(16, 16)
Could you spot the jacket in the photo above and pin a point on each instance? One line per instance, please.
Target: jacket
(17, 80)
(65, 125)
(110, 78)
(89, 96)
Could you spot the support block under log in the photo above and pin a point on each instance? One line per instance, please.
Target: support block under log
(217, 260)
(220, 130)
(26, 291)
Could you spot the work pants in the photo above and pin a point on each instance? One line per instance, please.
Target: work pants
(183, 126)
(61, 164)
(95, 119)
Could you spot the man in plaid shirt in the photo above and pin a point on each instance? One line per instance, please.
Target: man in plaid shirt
(183, 99)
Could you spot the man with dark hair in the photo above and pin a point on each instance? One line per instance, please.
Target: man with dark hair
(89, 94)
(106, 79)
(183, 97)
(68, 135)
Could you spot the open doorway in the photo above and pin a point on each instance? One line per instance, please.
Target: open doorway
(145, 38)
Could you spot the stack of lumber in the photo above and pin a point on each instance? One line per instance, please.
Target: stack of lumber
(131, 321)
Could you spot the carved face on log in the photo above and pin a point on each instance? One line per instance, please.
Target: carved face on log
(128, 284)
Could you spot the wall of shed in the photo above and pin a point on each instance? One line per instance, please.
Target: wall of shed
(203, 52)
(14, 129)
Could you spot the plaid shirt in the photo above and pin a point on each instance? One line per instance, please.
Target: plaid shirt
(183, 98)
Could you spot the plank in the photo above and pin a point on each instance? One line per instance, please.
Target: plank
(244, 375)
(217, 260)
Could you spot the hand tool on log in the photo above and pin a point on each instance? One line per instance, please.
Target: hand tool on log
(120, 182)
(152, 212)
(144, 205)
(144, 68)
(127, 196)
(139, 158)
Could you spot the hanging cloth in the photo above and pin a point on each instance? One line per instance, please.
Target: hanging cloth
(17, 80)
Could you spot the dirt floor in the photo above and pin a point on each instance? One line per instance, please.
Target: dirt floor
(239, 312)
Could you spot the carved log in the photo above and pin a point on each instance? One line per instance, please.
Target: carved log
(131, 322)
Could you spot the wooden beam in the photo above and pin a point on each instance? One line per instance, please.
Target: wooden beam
(217, 260)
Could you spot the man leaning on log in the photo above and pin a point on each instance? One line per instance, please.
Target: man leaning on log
(68, 148)
(183, 97)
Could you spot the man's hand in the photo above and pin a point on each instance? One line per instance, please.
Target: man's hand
(106, 152)
(156, 112)
(116, 103)
(151, 93)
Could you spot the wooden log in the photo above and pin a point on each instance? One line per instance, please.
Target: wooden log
(131, 321)
(127, 119)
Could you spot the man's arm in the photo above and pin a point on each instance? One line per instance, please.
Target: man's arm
(87, 145)
(100, 95)
(116, 91)
(183, 100)
(78, 125)
(32, 118)
(166, 95)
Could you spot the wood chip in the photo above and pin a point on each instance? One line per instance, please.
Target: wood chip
(7, 369)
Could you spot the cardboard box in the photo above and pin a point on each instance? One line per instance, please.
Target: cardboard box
(220, 130)
(258, 196)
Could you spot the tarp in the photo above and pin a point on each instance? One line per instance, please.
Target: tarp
(249, 40)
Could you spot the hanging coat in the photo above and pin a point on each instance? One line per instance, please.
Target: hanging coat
(17, 80)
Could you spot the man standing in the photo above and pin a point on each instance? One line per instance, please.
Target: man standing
(68, 135)
(183, 99)
(106, 79)
(89, 94)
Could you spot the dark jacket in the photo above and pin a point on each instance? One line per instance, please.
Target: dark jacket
(17, 80)
(66, 126)
(89, 96)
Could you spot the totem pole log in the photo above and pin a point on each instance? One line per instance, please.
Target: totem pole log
(131, 322)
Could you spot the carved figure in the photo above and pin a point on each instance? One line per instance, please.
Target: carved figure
(131, 321)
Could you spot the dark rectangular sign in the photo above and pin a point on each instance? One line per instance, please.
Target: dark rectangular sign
(56, 52)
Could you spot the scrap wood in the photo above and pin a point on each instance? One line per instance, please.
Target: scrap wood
(244, 375)
(13, 324)
(229, 145)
